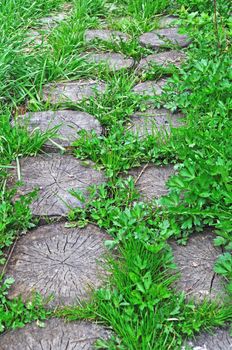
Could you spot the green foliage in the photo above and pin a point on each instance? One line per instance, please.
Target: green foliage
(115, 207)
(139, 302)
(14, 313)
(146, 8)
(15, 216)
(223, 267)
(141, 305)
(199, 193)
(222, 6)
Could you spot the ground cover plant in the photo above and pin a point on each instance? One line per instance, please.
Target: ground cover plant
(139, 303)
(18, 73)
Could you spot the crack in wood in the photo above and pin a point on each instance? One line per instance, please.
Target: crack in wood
(57, 335)
(52, 259)
(54, 176)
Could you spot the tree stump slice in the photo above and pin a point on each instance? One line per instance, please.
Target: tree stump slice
(54, 260)
(115, 61)
(195, 261)
(56, 335)
(54, 175)
(162, 37)
(163, 59)
(51, 21)
(153, 120)
(72, 91)
(105, 35)
(219, 340)
(70, 122)
(150, 88)
(167, 21)
(34, 37)
(151, 180)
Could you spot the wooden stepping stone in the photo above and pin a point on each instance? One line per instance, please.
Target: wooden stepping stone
(150, 88)
(72, 91)
(106, 35)
(59, 261)
(195, 262)
(151, 180)
(218, 340)
(167, 21)
(70, 123)
(56, 335)
(51, 21)
(115, 61)
(54, 175)
(148, 122)
(161, 37)
(34, 37)
(163, 59)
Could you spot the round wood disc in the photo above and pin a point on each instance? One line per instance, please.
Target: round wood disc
(56, 335)
(218, 340)
(72, 91)
(167, 21)
(106, 35)
(148, 122)
(35, 37)
(54, 260)
(115, 61)
(195, 262)
(163, 59)
(54, 175)
(150, 88)
(69, 122)
(161, 37)
(151, 180)
(51, 21)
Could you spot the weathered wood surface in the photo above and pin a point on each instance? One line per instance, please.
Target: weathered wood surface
(167, 21)
(164, 59)
(217, 340)
(150, 87)
(56, 335)
(54, 176)
(72, 91)
(54, 260)
(162, 37)
(153, 120)
(106, 35)
(151, 180)
(115, 61)
(195, 262)
(69, 122)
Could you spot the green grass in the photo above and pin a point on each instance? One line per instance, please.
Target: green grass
(139, 301)
(140, 304)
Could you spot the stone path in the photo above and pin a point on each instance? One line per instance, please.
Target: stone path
(65, 262)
